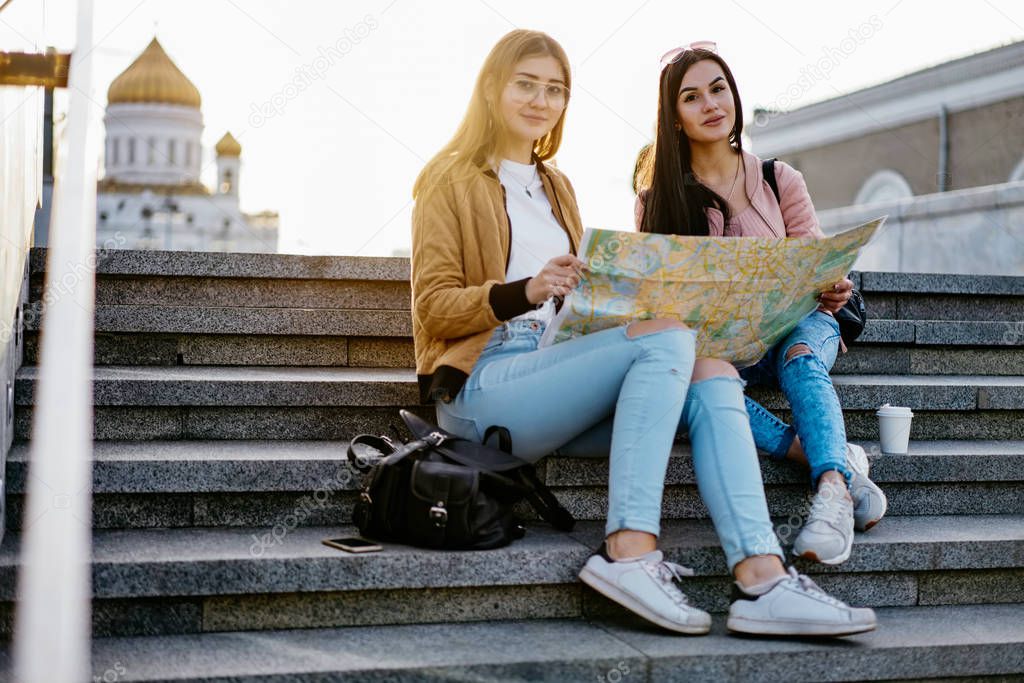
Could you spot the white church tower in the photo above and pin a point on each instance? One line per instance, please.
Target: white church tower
(229, 154)
(151, 196)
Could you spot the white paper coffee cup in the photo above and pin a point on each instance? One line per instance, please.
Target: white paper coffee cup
(894, 428)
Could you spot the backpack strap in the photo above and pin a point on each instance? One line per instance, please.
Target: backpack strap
(540, 496)
(544, 502)
(768, 170)
(382, 445)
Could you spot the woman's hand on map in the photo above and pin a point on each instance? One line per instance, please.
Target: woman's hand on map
(833, 300)
(558, 277)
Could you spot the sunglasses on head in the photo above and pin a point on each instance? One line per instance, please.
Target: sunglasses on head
(673, 55)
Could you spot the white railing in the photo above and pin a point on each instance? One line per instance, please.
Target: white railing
(52, 624)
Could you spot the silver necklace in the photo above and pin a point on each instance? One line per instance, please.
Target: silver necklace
(526, 185)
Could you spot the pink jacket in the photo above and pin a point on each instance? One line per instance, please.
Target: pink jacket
(792, 216)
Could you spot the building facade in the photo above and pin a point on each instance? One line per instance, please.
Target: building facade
(939, 151)
(950, 127)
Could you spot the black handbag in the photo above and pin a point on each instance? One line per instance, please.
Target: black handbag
(851, 318)
(443, 491)
(853, 315)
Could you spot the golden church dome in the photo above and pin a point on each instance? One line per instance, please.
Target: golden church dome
(228, 146)
(153, 77)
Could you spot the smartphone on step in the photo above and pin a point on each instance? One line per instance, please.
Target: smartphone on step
(353, 544)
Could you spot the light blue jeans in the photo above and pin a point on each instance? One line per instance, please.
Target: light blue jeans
(804, 380)
(607, 394)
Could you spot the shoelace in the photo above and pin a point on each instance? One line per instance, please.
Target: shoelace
(668, 573)
(805, 584)
(828, 507)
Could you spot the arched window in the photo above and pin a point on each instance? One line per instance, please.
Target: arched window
(151, 155)
(170, 152)
(884, 186)
(188, 155)
(1018, 173)
(131, 150)
(115, 151)
(225, 183)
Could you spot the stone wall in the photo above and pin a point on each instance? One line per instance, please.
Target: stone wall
(978, 231)
(985, 145)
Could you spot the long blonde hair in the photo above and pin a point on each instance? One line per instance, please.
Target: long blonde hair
(482, 135)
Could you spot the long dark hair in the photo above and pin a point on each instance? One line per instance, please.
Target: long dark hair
(675, 200)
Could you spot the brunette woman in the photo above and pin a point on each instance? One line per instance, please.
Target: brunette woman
(700, 181)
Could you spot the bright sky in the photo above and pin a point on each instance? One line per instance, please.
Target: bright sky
(338, 158)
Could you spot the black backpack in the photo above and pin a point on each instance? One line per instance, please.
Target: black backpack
(853, 316)
(443, 491)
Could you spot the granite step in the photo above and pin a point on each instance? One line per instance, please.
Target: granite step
(940, 283)
(135, 262)
(216, 402)
(368, 387)
(910, 643)
(279, 280)
(321, 321)
(921, 296)
(122, 423)
(236, 320)
(388, 294)
(123, 262)
(152, 484)
(928, 333)
(251, 292)
(129, 348)
(164, 581)
(886, 359)
(943, 306)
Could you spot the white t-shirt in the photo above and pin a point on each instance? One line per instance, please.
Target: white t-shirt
(537, 237)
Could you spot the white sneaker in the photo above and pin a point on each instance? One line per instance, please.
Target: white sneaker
(869, 503)
(827, 535)
(646, 585)
(796, 606)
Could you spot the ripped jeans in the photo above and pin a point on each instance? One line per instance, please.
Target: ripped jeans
(804, 380)
(608, 394)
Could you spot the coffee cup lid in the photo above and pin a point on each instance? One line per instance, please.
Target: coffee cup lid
(887, 410)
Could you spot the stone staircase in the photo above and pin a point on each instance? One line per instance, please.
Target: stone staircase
(225, 385)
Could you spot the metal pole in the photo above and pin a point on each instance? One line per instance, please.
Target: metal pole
(53, 622)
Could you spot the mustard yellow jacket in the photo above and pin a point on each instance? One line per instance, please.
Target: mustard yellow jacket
(461, 243)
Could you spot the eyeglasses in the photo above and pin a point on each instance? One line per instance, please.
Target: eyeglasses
(525, 90)
(673, 55)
